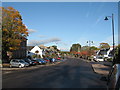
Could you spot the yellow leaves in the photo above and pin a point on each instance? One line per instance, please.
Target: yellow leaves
(13, 48)
(4, 29)
(26, 33)
(10, 8)
(13, 28)
(19, 22)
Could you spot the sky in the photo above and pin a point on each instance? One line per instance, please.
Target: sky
(67, 23)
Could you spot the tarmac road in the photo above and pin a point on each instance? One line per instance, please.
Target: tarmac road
(72, 73)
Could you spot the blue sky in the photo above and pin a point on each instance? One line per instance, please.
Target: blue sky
(66, 23)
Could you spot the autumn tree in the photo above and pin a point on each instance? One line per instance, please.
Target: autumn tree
(85, 48)
(104, 46)
(93, 48)
(88, 51)
(13, 30)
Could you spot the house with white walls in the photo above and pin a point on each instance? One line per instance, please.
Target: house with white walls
(34, 50)
(104, 53)
(41, 50)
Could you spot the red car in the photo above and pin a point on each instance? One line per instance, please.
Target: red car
(47, 59)
(58, 58)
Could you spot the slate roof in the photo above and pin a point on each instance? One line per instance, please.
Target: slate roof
(30, 47)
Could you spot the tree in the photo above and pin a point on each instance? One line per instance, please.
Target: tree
(88, 51)
(13, 30)
(93, 48)
(84, 48)
(104, 46)
(75, 48)
(55, 47)
(117, 55)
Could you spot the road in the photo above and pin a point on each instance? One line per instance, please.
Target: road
(72, 73)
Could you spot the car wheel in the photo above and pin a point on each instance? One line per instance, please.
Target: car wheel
(20, 66)
(10, 66)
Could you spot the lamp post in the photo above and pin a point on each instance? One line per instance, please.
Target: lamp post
(106, 18)
(89, 42)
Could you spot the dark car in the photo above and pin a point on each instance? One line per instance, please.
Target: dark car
(39, 61)
(114, 78)
(29, 61)
(47, 60)
(35, 62)
(42, 61)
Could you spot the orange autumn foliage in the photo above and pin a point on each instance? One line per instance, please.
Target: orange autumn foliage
(13, 29)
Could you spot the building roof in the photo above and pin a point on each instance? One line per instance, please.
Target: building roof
(42, 47)
(30, 47)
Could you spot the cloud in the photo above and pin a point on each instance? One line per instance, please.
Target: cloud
(98, 20)
(39, 42)
(41, 36)
(63, 43)
(64, 49)
(31, 31)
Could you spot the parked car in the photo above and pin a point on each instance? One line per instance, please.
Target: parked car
(18, 63)
(52, 60)
(47, 59)
(38, 61)
(113, 82)
(43, 61)
(99, 58)
(29, 61)
(35, 61)
(58, 58)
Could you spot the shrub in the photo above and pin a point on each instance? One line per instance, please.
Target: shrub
(109, 59)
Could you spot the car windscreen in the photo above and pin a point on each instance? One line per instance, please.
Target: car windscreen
(21, 61)
(100, 57)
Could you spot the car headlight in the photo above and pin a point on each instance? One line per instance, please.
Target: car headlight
(22, 65)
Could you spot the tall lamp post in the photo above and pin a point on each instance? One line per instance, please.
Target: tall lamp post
(106, 18)
(89, 42)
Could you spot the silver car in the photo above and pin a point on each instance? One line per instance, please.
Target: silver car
(18, 63)
(114, 78)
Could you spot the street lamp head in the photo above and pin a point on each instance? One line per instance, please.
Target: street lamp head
(106, 18)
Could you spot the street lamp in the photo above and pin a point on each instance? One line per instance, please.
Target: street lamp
(106, 18)
(89, 42)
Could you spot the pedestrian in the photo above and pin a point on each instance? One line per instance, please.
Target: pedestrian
(53, 60)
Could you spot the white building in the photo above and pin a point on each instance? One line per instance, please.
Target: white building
(104, 53)
(35, 50)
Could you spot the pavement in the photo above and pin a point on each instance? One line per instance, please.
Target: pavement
(101, 68)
